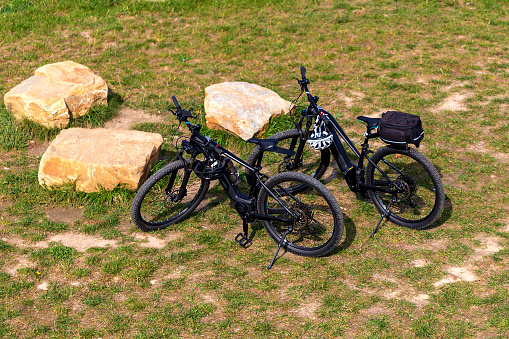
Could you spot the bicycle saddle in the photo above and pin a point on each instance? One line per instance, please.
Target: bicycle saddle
(370, 122)
(270, 145)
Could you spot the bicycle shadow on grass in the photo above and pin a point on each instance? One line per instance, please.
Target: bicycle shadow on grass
(446, 214)
(212, 199)
(349, 235)
(448, 207)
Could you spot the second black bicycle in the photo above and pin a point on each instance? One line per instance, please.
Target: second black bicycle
(402, 183)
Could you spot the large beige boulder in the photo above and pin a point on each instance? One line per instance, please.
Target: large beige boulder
(242, 108)
(56, 93)
(95, 158)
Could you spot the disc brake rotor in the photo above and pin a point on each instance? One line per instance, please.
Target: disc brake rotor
(406, 187)
(283, 167)
(170, 200)
(304, 216)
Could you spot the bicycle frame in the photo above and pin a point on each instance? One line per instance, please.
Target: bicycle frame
(200, 144)
(245, 204)
(353, 174)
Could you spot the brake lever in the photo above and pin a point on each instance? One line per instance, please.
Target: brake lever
(183, 115)
(190, 114)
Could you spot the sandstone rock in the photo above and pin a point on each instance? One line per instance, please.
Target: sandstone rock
(56, 93)
(94, 158)
(242, 108)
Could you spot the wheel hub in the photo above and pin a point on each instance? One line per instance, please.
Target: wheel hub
(283, 167)
(288, 165)
(406, 187)
(303, 215)
(171, 199)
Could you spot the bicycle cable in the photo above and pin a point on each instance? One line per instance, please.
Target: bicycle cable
(293, 104)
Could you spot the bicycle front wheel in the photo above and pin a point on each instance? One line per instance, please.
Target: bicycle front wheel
(311, 162)
(156, 205)
(318, 220)
(421, 196)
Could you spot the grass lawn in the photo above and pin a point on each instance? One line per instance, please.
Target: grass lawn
(74, 265)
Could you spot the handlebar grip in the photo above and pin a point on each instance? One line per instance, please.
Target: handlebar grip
(174, 99)
(303, 72)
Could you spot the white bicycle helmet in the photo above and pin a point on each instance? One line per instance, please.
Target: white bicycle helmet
(320, 138)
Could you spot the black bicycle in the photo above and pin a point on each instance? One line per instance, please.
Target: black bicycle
(403, 184)
(308, 222)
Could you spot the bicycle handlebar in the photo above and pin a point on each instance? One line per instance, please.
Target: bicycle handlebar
(304, 88)
(174, 99)
(303, 72)
(182, 114)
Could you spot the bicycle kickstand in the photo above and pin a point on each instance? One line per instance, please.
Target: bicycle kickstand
(384, 214)
(290, 228)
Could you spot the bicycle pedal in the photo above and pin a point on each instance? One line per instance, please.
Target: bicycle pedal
(242, 240)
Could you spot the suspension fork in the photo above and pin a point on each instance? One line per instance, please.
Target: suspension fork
(188, 169)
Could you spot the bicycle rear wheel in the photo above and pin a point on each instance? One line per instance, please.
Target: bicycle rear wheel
(312, 162)
(421, 199)
(156, 205)
(318, 226)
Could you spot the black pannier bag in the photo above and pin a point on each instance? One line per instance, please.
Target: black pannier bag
(400, 128)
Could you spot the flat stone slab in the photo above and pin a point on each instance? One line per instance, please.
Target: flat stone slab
(56, 93)
(99, 158)
(242, 108)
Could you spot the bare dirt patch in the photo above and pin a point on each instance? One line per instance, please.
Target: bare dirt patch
(154, 242)
(456, 102)
(456, 274)
(18, 242)
(81, 242)
(350, 100)
(489, 246)
(432, 245)
(62, 214)
(454, 84)
(36, 149)
(44, 286)
(18, 262)
(127, 117)
(480, 148)
(308, 310)
(402, 291)
(451, 179)
(375, 310)
(399, 290)
(420, 262)
(5, 204)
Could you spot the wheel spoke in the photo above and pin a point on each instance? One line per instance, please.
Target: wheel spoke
(315, 212)
(419, 198)
(155, 205)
